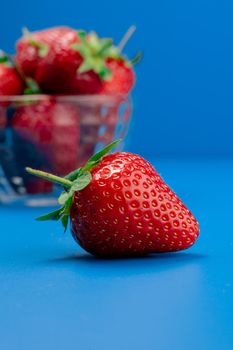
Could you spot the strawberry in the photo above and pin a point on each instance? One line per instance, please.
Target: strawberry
(36, 47)
(59, 66)
(52, 130)
(10, 81)
(104, 70)
(119, 205)
(122, 77)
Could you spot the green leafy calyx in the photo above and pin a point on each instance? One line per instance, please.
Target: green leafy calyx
(77, 180)
(95, 51)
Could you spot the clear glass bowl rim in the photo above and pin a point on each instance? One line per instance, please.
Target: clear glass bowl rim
(80, 99)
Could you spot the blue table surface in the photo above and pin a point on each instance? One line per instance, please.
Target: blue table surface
(53, 295)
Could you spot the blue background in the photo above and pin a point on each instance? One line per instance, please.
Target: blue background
(183, 98)
(53, 295)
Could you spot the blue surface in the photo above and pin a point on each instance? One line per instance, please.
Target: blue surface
(183, 98)
(53, 295)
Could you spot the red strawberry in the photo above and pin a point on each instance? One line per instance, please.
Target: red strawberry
(102, 60)
(59, 66)
(10, 81)
(119, 205)
(122, 77)
(53, 128)
(36, 47)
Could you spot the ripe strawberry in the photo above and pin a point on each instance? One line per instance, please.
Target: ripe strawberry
(52, 128)
(119, 205)
(122, 77)
(102, 60)
(35, 50)
(10, 81)
(55, 71)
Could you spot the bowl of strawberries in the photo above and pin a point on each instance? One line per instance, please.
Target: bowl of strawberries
(63, 95)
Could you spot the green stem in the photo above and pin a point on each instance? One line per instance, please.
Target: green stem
(50, 177)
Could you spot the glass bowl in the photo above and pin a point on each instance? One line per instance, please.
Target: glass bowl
(56, 134)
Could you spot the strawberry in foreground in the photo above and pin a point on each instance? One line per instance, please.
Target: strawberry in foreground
(119, 205)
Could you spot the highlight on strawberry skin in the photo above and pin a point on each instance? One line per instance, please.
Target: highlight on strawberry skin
(118, 205)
